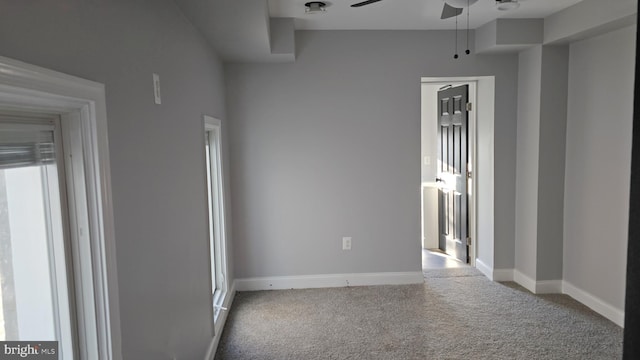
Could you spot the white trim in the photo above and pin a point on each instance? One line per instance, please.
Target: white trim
(503, 274)
(472, 148)
(328, 280)
(222, 319)
(216, 192)
(25, 87)
(211, 123)
(596, 304)
(474, 83)
(549, 287)
(494, 274)
(555, 287)
(485, 269)
(524, 281)
(537, 287)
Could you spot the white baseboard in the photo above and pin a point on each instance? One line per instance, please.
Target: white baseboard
(494, 274)
(524, 281)
(563, 287)
(328, 280)
(222, 319)
(596, 304)
(503, 274)
(549, 287)
(484, 268)
(538, 287)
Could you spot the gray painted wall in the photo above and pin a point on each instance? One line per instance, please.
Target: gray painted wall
(157, 155)
(598, 156)
(551, 161)
(429, 131)
(329, 146)
(486, 35)
(519, 31)
(542, 112)
(529, 86)
(508, 35)
(429, 142)
(588, 18)
(486, 191)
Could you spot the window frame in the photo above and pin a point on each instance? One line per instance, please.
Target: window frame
(81, 105)
(54, 191)
(215, 195)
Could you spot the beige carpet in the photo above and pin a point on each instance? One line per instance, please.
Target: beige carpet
(456, 314)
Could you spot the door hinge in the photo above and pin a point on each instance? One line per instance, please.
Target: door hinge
(468, 241)
(468, 174)
(469, 106)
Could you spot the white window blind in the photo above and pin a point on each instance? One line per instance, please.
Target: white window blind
(26, 146)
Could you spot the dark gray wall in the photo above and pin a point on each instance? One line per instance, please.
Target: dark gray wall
(156, 152)
(632, 297)
(329, 146)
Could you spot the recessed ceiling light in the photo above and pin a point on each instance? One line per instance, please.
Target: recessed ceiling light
(505, 5)
(315, 7)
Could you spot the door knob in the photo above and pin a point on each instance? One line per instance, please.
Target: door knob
(439, 180)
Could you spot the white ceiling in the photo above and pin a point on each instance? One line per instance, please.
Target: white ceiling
(405, 14)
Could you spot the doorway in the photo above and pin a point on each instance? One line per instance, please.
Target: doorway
(452, 171)
(434, 259)
(431, 194)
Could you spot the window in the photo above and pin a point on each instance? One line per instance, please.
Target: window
(55, 164)
(217, 235)
(35, 289)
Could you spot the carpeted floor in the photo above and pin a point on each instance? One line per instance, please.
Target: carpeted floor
(455, 314)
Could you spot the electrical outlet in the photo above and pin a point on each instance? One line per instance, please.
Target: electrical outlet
(346, 243)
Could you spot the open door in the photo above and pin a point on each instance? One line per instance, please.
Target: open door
(452, 171)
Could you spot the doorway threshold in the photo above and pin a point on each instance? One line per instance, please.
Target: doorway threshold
(436, 259)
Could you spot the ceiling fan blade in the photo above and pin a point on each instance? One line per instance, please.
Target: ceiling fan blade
(365, 3)
(449, 11)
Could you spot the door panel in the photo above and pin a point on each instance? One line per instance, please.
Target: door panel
(452, 171)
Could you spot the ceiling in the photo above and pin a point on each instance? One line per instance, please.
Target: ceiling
(405, 14)
(264, 30)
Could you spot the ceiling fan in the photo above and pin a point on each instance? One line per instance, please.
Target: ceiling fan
(451, 7)
(455, 7)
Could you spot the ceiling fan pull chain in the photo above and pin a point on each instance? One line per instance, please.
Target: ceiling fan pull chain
(468, 11)
(455, 56)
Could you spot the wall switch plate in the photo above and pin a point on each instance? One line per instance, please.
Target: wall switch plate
(346, 243)
(156, 89)
(427, 160)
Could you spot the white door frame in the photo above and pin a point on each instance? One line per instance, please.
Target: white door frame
(476, 143)
(81, 105)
